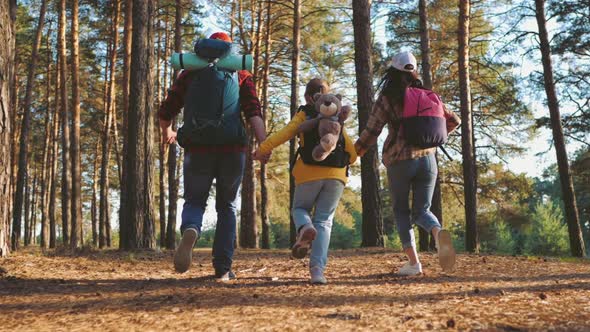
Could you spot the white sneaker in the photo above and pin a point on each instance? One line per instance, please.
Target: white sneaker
(184, 254)
(410, 270)
(446, 252)
(317, 276)
(304, 238)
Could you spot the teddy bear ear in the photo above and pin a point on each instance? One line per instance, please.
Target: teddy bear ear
(316, 96)
(339, 96)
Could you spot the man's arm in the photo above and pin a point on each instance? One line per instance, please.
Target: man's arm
(250, 105)
(172, 105)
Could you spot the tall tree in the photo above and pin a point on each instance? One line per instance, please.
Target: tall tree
(172, 148)
(26, 123)
(104, 220)
(467, 144)
(7, 37)
(54, 158)
(137, 215)
(66, 182)
(427, 82)
(295, 57)
(372, 228)
(567, 188)
(45, 172)
(76, 201)
(265, 236)
(248, 229)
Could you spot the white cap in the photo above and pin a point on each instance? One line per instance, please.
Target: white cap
(404, 61)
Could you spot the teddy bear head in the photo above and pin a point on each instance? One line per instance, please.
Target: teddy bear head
(328, 104)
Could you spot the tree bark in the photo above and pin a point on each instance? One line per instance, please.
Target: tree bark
(54, 158)
(7, 110)
(265, 238)
(66, 184)
(427, 240)
(27, 209)
(76, 227)
(294, 105)
(25, 127)
(45, 173)
(565, 177)
(173, 148)
(95, 191)
(33, 218)
(467, 147)
(372, 228)
(104, 218)
(137, 214)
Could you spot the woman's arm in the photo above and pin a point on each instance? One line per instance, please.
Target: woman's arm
(377, 120)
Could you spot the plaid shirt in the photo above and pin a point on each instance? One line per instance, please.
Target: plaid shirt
(395, 147)
(174, 102)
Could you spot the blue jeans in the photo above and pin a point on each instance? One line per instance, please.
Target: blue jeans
(324, 195)
(420, 176)
(199, 171)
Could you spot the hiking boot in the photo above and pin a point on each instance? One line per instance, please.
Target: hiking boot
(317, 276)
(306, 235)
(410, 270)
(184, 254)
(225, 277)
(446, 252)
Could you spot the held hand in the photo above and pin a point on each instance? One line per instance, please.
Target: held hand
(344, 113)
(168, 136)
(263, 158)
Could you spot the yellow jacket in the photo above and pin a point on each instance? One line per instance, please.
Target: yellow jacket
(303, 172)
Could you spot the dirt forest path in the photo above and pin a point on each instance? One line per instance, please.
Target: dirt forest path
(112, 291)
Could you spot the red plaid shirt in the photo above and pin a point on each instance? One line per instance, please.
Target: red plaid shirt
(174, 102)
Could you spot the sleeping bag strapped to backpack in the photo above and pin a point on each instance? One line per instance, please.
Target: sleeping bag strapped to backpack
(211, 105)
(423, 122)
(338, 158)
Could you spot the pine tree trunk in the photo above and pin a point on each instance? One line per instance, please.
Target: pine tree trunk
(27, 207)
(32, 236)
(427, 240)
(565, 177)
(137, 214)
(7, 111)
(127, 34)
(54, 159)
(265, 239)
(66, 184)
(163, 161)
(469, 168)
(76, 206)
(173, 149)
(45, 173)
(26, 123)
(94, 207)
(372, 228)
(294, 106)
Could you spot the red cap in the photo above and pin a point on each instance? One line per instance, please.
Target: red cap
(221, 36)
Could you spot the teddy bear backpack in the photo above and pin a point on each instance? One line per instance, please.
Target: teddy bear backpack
(423, 121)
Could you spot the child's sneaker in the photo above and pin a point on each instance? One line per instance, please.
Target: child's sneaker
(446, 252)
(317, 276)
(410, 270)
(306, 235)
(184, 254)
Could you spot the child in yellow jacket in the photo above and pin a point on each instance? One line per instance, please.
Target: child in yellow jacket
(316, 186)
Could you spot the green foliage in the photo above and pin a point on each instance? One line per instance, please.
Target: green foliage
(548, 235)
(206, 238)
(503, 239)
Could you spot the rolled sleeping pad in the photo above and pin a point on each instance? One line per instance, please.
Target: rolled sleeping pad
(191, 61)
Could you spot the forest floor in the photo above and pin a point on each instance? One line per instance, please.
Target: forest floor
(110, 291)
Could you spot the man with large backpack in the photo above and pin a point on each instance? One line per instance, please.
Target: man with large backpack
(215, 143)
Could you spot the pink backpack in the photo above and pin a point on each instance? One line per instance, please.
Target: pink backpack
(424, 121)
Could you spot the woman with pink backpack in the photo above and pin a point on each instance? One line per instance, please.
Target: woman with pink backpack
(418, 123)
